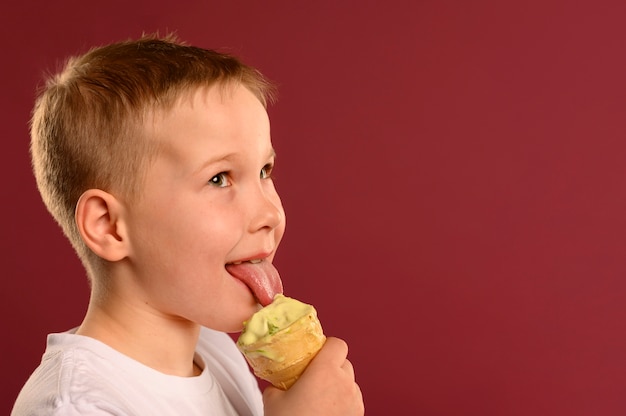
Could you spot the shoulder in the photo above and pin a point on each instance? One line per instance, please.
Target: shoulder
(63, 383)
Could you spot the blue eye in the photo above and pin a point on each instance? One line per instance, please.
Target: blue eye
(220, 180)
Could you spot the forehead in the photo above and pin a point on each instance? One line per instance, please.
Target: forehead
(211, 120)
(189, 95)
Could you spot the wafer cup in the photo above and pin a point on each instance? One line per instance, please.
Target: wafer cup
(281, 358)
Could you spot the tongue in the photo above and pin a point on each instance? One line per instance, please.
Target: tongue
(262, 279)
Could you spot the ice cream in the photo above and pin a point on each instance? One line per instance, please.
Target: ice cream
(281, 339)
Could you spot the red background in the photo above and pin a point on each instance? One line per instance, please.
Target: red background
(454, 178)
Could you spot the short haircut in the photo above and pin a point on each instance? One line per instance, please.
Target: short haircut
(87, 124)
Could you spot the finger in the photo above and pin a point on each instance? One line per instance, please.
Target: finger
(360, 399)
(334, 352)
(348, 368)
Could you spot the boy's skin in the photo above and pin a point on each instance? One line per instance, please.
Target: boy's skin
(207, 200)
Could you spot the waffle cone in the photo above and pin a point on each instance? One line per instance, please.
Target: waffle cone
(282, 357)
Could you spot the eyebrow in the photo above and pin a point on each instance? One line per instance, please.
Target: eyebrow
(227, 157)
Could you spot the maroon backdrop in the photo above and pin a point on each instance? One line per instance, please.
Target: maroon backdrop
(454, 178)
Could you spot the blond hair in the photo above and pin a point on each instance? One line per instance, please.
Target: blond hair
(87, 123)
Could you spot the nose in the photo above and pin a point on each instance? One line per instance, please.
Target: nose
(267, 210)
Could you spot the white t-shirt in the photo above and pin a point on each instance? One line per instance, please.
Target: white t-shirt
(79, 375)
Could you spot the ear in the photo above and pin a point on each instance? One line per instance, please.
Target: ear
(100, 220)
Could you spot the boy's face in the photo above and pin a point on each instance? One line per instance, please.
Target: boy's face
(208, 201)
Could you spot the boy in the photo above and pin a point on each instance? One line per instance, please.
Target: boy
(155, 158)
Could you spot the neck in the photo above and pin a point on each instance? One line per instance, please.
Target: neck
(164, 343)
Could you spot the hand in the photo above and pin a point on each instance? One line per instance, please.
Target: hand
(326, 387)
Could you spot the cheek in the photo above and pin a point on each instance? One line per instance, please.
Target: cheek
(165, 243)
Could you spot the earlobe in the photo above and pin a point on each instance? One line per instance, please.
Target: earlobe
(100, 221)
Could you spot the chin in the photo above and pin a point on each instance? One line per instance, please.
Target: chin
(233, 321)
